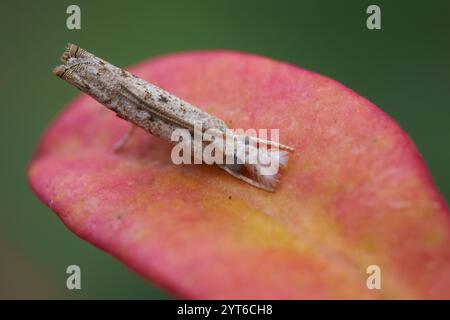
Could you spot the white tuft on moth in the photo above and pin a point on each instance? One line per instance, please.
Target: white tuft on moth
(161, 113)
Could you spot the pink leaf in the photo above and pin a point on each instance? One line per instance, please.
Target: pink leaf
(356, 192)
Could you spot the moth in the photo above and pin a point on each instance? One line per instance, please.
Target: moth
(161, 113)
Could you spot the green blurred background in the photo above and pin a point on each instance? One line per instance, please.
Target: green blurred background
(403, 68)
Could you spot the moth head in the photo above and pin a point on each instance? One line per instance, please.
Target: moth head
(83, 70)
(74, 51)
(71, 57)
(68, 72)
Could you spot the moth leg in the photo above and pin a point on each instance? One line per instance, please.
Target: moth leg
(124, 139)
(246, 179)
